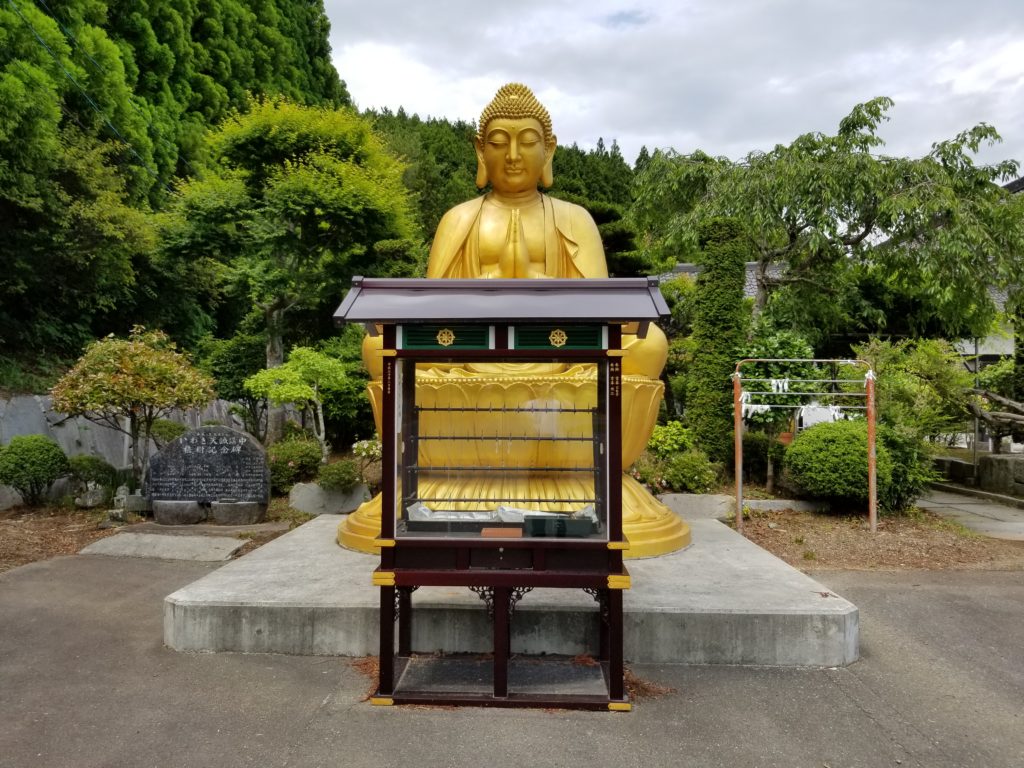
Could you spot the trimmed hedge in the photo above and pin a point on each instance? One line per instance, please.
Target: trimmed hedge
(830, 461)
(93, 469)
(340, 476)
(30, 464)
(292, 461)
(686, 472)
(718, 323)
(670, 439)
(165, 430)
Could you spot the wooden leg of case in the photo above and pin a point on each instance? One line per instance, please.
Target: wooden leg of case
(616, 687)
(386, 684)
(501, 641)
(404, 621)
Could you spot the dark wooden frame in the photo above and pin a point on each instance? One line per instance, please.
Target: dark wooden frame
(592, 565)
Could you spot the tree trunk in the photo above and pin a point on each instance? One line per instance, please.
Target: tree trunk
(769, 479)
(134, 429)
(321, 432)
(143, 437)
(274, 316)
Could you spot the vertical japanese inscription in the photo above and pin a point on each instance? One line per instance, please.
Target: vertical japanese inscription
(210, 463)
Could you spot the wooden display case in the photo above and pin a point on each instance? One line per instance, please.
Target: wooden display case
(501, 484)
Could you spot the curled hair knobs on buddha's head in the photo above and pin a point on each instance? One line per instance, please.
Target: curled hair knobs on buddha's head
(515, 101)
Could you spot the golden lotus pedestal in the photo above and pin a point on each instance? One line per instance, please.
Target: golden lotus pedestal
(651, 528)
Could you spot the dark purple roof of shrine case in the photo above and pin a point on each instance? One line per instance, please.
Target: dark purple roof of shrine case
(399, 300)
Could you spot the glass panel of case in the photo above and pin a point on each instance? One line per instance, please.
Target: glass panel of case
(487, 451)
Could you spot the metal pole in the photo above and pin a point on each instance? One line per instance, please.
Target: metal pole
(737, 425)
(869, 383)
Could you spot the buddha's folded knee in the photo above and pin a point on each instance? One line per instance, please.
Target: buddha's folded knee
(646, 356)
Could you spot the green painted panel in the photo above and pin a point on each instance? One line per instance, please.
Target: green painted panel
(576, 336)
(462, 336)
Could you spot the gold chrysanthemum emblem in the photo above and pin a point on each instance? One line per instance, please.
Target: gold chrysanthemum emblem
(558, 338)
(445, 337)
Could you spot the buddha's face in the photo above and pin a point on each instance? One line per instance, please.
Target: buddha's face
(514, 153)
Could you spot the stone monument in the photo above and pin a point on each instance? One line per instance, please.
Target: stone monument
(210, 470)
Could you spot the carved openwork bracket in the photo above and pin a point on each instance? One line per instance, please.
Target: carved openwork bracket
(487, 595)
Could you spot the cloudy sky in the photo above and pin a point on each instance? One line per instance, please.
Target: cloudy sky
(727, 77)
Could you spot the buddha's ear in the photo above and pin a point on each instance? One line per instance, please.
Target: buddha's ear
(547, 175)
(481, 169)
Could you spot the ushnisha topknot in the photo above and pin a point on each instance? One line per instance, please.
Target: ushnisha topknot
(515, 101)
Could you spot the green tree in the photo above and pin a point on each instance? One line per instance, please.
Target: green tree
(938, 228)
(103, 104)
(440, 164)
(680, 295)
(719, 321)
(127, 384)
(305, 198)
(70, 184)
(305, 380)
(922, 385)
(768, 343)
(230, 362)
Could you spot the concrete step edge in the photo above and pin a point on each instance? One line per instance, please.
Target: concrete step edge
(963, 490)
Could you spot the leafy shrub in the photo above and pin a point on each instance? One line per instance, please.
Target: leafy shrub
(292, 430)
(368, 450)
(830, 461)
(93, 469)
(691, 472)
(30, 464)
(922, 384)
(912, 468)
(670, 439)
(292, 461)
(340, 476)
(686, 472)
(165, 430)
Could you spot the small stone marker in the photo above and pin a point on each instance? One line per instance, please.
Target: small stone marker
(206, 466)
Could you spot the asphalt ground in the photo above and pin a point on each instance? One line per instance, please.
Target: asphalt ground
(85, 681)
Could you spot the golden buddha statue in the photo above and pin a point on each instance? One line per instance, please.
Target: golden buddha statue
(515, 231)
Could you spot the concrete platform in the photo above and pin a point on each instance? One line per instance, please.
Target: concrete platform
(724, 600)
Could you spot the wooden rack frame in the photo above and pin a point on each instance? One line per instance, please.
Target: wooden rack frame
(497, 318)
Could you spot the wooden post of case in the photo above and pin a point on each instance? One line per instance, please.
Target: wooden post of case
(501, 641)
(386, 684)
(604, 626)
(616, 686)
(405, 621)
(613, 448)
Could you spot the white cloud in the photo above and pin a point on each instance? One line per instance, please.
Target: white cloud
(725, 77)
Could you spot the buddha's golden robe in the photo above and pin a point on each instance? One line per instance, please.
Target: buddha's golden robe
(572, 249)
(572, 244)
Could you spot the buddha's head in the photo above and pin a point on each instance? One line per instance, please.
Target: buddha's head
(514, 142)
